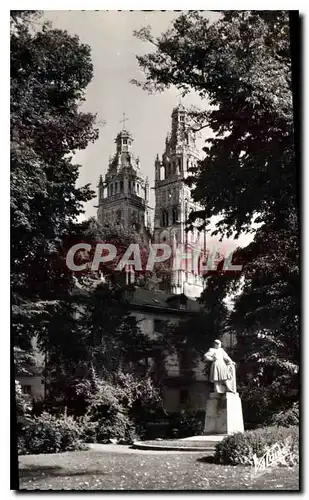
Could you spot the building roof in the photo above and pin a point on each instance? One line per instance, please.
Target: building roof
(141, 298)
(155, 299)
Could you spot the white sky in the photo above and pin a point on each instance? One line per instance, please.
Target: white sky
(110, 94)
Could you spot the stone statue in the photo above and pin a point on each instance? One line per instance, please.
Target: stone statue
(222, 371)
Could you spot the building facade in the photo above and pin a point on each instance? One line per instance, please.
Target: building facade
(183, 380)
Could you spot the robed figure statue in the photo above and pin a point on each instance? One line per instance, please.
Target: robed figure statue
(222, 370)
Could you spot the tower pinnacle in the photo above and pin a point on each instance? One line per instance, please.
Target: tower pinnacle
(123, 121)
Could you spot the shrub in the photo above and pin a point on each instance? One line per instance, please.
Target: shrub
(118, 408)
(106, 417)
(23, 401)
(186, 423)
(49, 434)
(240, 447)
(287, 417)
(260, 404)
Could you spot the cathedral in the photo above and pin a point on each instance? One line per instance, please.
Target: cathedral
(124, 196)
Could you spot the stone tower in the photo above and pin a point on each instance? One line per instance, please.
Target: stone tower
(173, 201)
(124, 194)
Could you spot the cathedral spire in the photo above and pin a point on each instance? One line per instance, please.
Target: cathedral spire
(123, 121)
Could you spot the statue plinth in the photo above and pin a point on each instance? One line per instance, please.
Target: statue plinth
(223, 414)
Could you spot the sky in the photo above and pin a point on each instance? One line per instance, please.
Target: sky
(110, 94)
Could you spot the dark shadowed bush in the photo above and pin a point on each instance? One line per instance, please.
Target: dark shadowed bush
(186, 423)
(239, 448)
(286, 418)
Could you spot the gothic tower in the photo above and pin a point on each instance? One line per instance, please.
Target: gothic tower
(173, 201)
(124, 195)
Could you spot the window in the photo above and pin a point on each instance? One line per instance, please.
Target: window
(124, 141)
(137, 188)
(112, 188)
(26, 389)
(164, 218)
(121, 186)
(159, 325)
(175, 215)
(116, 187)
(182, 118)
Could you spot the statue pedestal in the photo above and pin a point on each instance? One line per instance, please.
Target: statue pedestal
(223, 414)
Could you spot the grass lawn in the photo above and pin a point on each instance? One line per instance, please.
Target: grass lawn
(128, 470)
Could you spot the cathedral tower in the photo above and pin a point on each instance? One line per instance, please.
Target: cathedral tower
(124, 194)
(174, 202)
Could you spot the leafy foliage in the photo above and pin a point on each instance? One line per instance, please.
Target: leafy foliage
(287, 417)
(186, 423)
(50, 71)
(119, 407)
(92, 232)
(50, 434)
(241, 64)
(94, 331)
(23, 403)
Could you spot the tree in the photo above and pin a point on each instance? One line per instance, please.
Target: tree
(92, 233)
(93, 331)
(242, 65)
(50, 71)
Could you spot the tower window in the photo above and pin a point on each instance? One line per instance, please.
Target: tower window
(116, 187)
(137, 188)
(118, 215)
(175, 215)
(112, 188)
(182, 118)
(164, 218)
(125, 141)
(121, 186)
